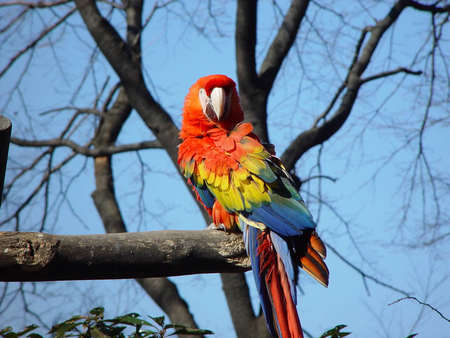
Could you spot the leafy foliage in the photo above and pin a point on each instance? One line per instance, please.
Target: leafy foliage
(94, 325)
(336, 332)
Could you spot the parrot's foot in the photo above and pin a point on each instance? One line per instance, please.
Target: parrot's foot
(213, 226)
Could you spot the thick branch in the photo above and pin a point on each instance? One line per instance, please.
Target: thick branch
(121, 57)
(283, 42)
(318, 134)
(245, 323)
(428, 8)
(45, 257)
(245, 37)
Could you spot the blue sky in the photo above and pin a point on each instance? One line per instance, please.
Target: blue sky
(175, 55)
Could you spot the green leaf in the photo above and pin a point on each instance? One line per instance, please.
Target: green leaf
(175, 326)
(34, 335)
(5, 330)
(60, 329)
(112, 331)
(412, 335)
(10, 335)
(146, 333)
(98, 311)
(96, 333)
(336, 332)
(159, 320)
(129, 319)
(193, 332)
(27, 329)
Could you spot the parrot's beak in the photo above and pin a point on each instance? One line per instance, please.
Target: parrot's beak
(215, 106)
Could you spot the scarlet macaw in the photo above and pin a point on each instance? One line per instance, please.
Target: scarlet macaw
(243, 186)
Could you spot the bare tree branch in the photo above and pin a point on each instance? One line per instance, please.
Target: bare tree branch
(282, 42)
(120, 56)
(35, 4)
(422, 303)
(13, 21)
(86, 150)
(244, 320)
(391, 72)
(38, 188)
(319, 134)
(434, 8)
(245, 37)
(33, 43)
(28, 256)
(365, 275)
(163, 291)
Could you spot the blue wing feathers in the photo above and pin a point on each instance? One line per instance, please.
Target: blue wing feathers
(287, 220)
(206, 196)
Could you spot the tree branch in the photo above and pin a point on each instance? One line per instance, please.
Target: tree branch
(434, 9)
(35, 4)
(127, 66)
(245, 323)
(319, 134)
(30, 256)
(85, 150)
(245, 37)
(33, 43)
(422, 303)
(391, 72)
(282, 43)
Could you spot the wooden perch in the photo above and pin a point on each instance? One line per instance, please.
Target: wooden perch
(30, 256)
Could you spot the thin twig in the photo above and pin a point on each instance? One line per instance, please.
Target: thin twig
(391, 72)
(364, 275)
(422, 303)
(35, 41)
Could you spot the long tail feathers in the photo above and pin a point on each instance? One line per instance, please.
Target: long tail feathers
(294, 328)
(280, 286)
(276, 276)
(312, 260)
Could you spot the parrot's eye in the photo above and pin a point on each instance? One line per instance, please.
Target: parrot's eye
(215, 106)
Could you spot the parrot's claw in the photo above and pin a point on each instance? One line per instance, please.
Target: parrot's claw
(213, 226)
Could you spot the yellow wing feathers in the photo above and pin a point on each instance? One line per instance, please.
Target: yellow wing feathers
(237, 190)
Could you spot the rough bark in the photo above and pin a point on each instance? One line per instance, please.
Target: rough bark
(27, 256)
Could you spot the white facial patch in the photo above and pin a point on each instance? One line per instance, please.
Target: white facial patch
(214, 106)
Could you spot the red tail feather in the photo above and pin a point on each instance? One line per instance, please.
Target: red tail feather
(295, 329)
(285, 316)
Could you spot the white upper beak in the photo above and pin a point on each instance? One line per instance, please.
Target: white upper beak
(215, 105)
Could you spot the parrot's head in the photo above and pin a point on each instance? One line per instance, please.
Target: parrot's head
(211, 102)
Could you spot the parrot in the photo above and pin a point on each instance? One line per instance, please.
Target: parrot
(245, 187)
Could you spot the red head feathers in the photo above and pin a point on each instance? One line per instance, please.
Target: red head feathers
(211, 101)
